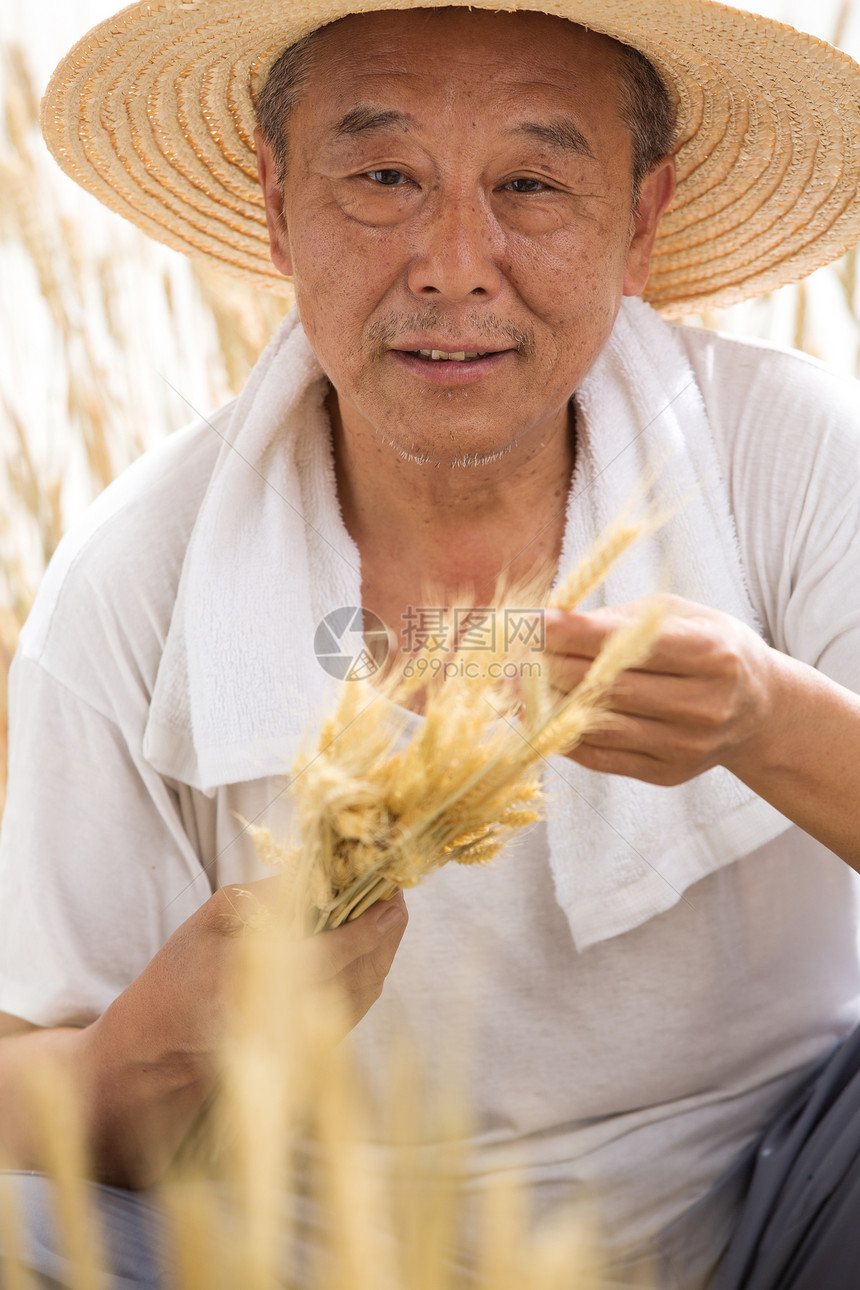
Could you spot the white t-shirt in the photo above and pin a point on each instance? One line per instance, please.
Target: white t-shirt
(641, 1067)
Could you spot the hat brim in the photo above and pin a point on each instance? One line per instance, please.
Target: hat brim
(153, 112)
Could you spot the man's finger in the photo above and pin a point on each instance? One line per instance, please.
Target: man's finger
(567, 632)
(370, 940)
(638, 693)
(582, 636)
(685, 646)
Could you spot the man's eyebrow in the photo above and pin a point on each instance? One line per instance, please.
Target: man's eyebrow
(364, 120)
(561, 134)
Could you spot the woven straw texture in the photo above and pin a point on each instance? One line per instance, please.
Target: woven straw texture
(153, 112)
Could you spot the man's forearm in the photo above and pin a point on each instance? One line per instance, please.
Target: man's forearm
(57, 1052)
(805, 760)
(133, 1116)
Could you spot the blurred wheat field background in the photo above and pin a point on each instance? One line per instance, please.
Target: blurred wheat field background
(108, 342)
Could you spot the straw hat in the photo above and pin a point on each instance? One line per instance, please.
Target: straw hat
(152, 111)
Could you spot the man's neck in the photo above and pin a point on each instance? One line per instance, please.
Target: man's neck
(455, 529)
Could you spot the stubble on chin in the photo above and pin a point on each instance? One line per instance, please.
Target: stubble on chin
(389, 423)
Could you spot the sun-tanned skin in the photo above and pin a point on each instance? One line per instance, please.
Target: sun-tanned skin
(462, 183)
(493, 212)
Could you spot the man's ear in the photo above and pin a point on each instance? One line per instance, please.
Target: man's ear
(658, 189)
(273, 196)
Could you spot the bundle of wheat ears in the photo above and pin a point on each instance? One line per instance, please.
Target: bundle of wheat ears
(373, 813)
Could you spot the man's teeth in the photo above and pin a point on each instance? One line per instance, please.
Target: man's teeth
(460, 357)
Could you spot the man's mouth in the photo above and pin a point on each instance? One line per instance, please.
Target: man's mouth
(452, 366)
(438, 355)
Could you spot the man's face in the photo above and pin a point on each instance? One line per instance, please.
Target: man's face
(459, 182)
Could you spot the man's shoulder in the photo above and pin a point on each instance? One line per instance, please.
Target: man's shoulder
(754, 388)
(787, 432)
(720, 355)
(112, 582)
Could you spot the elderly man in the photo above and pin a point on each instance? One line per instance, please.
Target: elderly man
(468, 204)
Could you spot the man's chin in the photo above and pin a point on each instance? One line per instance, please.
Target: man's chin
(466, 453)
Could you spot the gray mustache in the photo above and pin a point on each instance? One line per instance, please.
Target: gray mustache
(383, 332)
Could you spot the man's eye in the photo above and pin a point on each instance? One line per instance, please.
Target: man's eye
(388, 178)
(523, 185)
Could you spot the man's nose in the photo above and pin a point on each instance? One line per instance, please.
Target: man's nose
(460, 249)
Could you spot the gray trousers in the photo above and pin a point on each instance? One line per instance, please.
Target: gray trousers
(131, 1227)
(798, 1228)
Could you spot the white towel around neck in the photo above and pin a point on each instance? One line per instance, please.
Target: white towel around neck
(239, 687)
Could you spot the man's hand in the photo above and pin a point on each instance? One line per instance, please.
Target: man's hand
(184, 990)
(356, 957)
(713, 693)
(699, 701)
(146, 1066)
(149, 1060)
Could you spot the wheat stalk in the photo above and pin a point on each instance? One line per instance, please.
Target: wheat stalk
(56, 1108)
